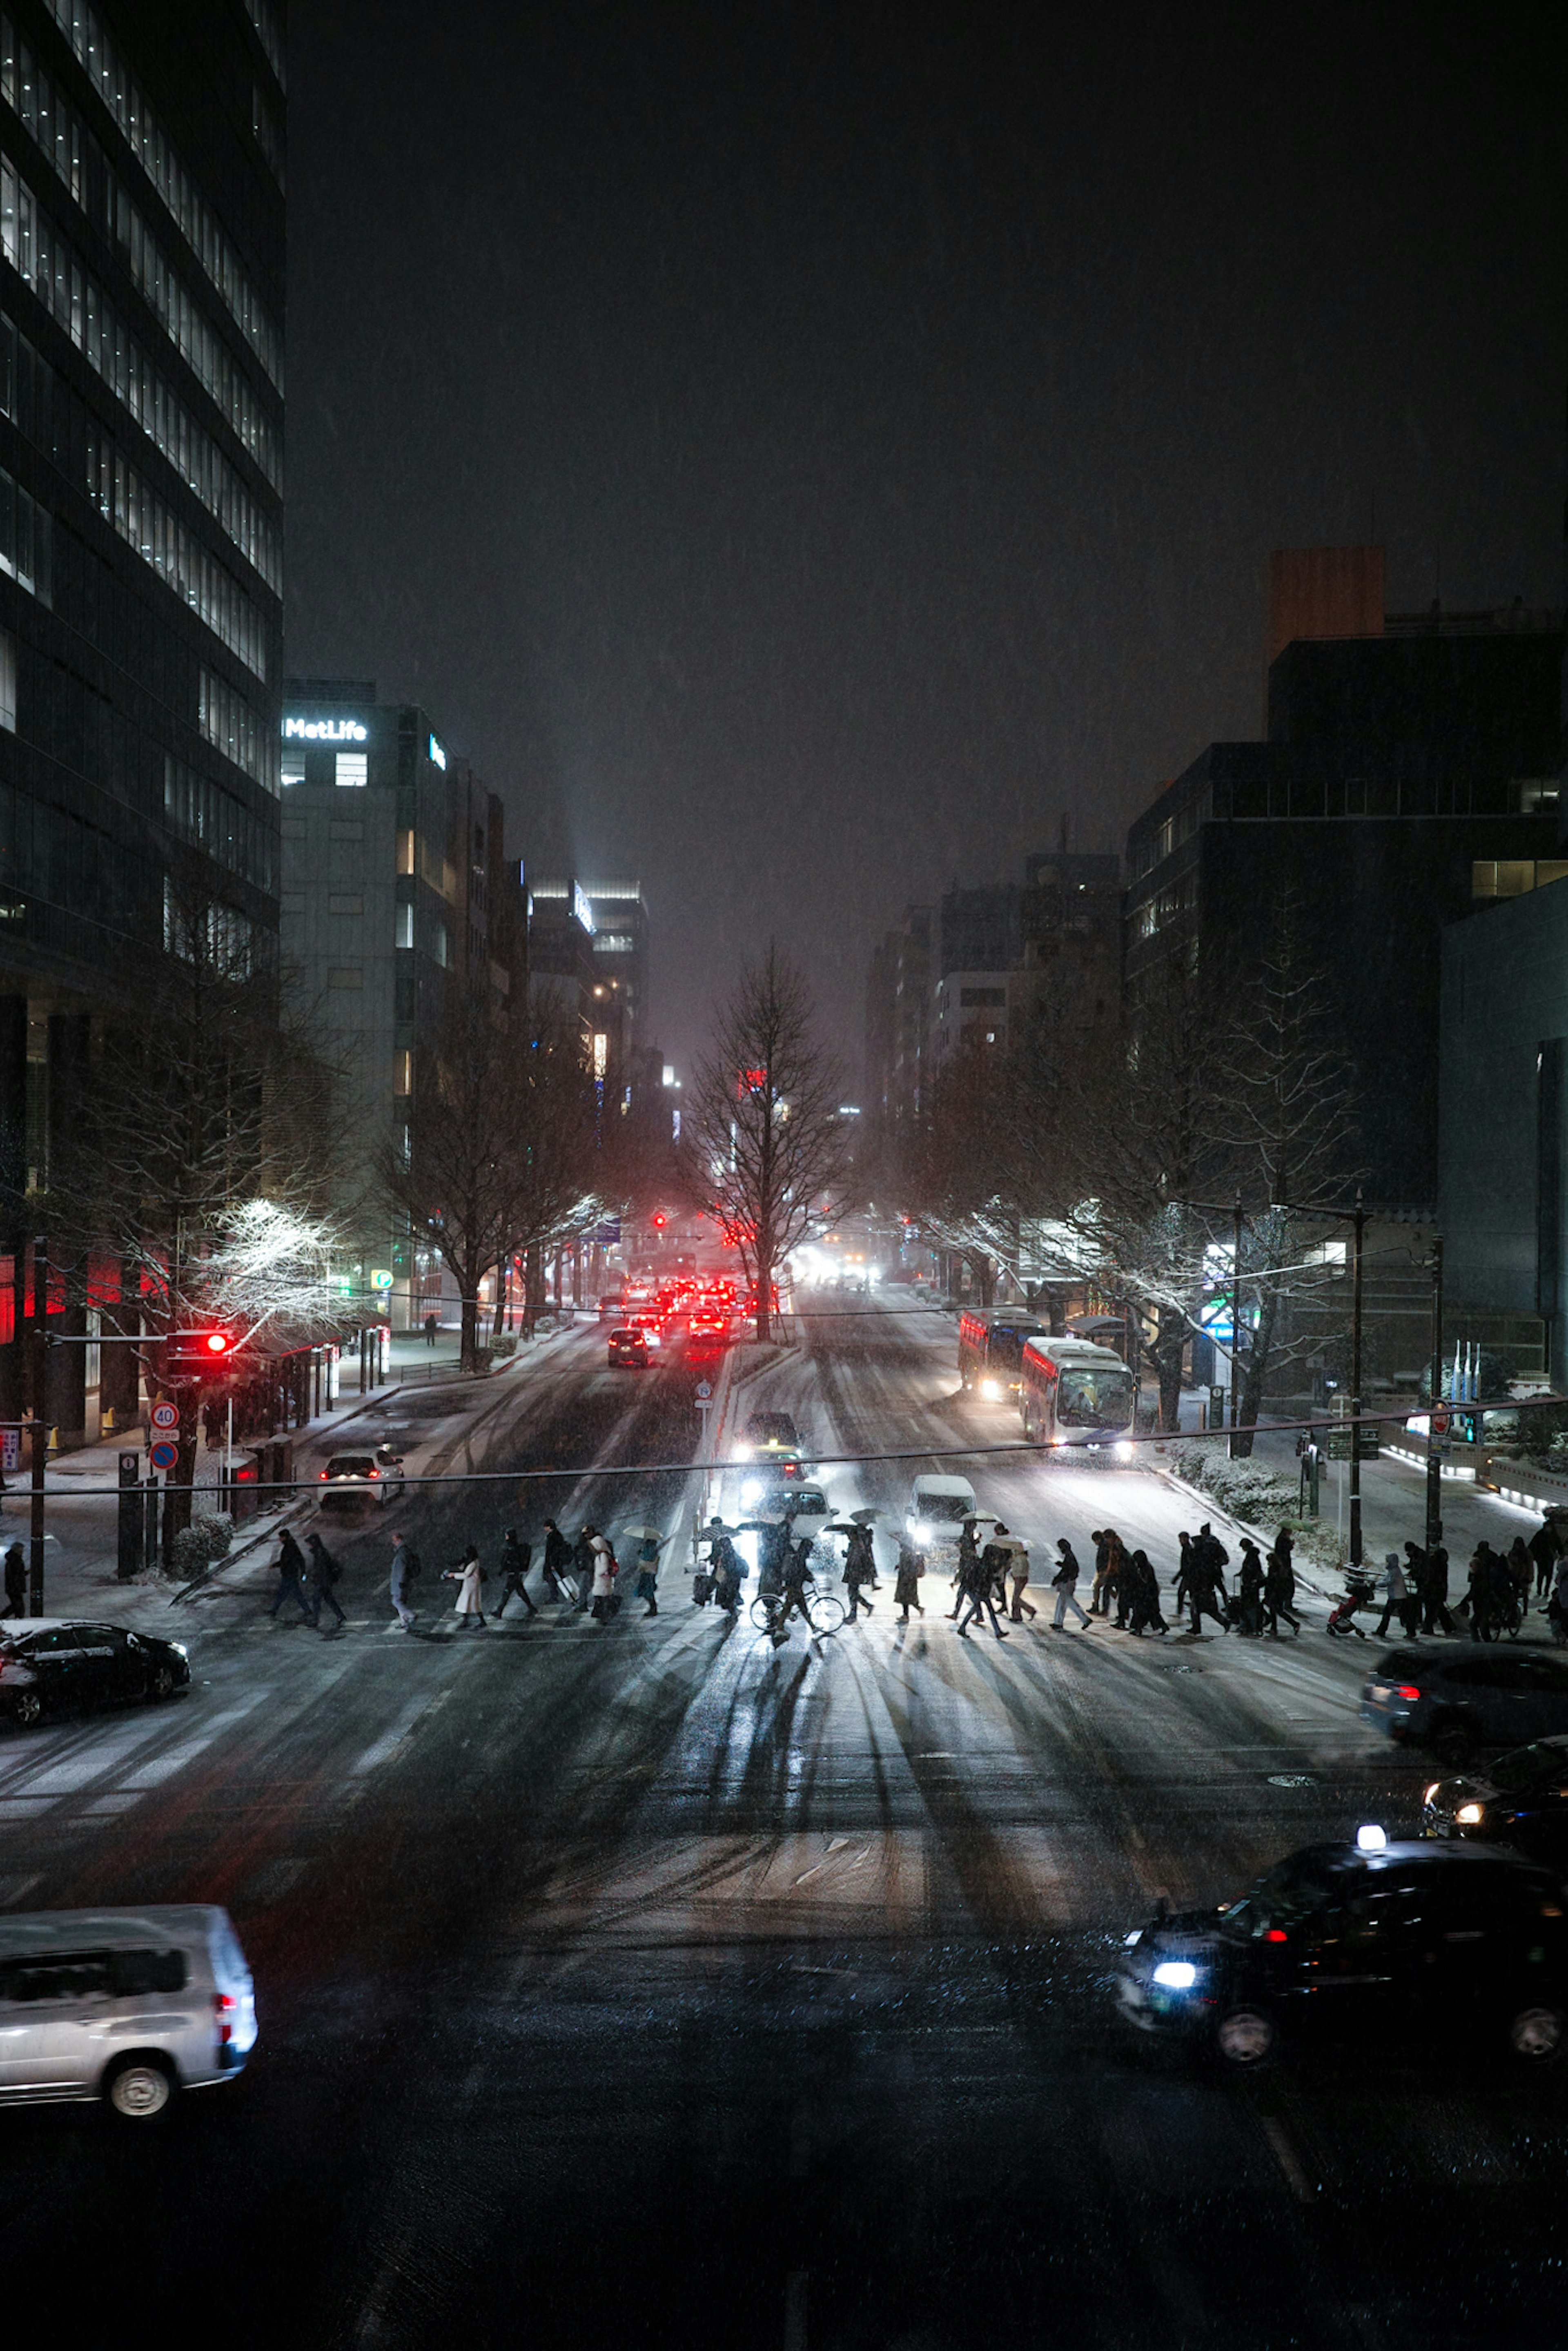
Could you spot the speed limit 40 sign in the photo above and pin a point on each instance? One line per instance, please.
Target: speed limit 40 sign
(165, 1415)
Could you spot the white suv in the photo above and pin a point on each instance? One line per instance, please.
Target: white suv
(129, 2006)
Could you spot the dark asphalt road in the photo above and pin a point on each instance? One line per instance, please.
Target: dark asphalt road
(636, 1983)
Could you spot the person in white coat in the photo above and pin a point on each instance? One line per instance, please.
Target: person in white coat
(468, 1577)
(604, 1571)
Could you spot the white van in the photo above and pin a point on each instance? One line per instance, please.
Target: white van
(129, 2006)
(938, 1508)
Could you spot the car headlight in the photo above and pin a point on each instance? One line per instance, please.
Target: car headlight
(991, 1388)
(1469, 1815)
(1176, 1975)
(179, 1650)
(921, 1531)
(1431, 1791)
(1125, 1449)
(751, 1489)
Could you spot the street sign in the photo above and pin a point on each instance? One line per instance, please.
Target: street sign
(1439, 1424)
(704, 1390)
(164, 1415)
(381, 1277)
(164, 1454)
(10, 1450)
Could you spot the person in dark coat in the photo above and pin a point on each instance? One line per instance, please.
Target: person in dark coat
(1200, 1584)
(324, 1574)
(582, 1567)
(860, 1570)
(1521, 1567)
(968, 1558)
(15, 1580)
(1250, 1579)
(1546, 1551)
(906, 1588)
(1064, 1583)
(728, 1569)
(292, 1571)
(1476, 1603)
(431, 1325)
(1432, 1583)
(400, 1583)
(980, 1588)
(556, 1561)
(1280, 1586)
(647, 1584)
(1144, 1614)
(513, 1566)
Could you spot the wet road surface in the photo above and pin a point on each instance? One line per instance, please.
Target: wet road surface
(644, 1982)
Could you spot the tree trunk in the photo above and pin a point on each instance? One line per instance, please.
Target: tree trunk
(470, 1339)
(1167, 1359)
(1251, 1398)
(764, 1297)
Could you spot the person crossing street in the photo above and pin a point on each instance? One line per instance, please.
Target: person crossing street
(514, 1568)
(1064, 1582)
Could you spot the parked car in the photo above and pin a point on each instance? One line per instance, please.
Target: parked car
(129, 2006)
(356, 1479)
(1457, 1700)
(938, 1508)
(1422, 1941)
(629, 1346)
(57, 1665)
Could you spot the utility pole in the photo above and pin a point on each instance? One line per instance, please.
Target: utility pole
(1434, 1455)
(40, 1354)
(1359, 1224)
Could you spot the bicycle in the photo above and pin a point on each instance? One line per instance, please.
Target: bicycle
(823, 1610)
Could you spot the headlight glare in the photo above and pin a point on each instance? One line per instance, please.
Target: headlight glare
(1469, 1815)
(1176, 1975)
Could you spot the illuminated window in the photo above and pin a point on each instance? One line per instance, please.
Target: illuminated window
(601, 1052)
(352, 768)
(404, 1080)
(1501, 877)
(405, 853)
(405, 926)
(293, 769)
(7, 680)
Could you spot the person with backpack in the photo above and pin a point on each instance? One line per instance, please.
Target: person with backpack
(324, 1574)
(514, 1569)
(469, 1577)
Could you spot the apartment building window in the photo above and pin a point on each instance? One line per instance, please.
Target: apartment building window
(7, 680)
(1515, 877)
(403, 1084)
(405, 853)
(405, 926)
(352, 768)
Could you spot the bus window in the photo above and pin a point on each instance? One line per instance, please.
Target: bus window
(1095, 1398)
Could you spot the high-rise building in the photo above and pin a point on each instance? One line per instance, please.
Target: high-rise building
(396, 890)
(1008, 954)
(141, 308)
(1409, 774)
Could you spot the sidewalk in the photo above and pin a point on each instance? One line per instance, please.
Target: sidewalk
(82, 1488)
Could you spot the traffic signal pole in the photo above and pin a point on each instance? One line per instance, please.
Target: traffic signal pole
(1435, 1382)
(40, 1354)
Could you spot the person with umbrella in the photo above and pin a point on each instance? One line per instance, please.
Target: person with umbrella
(859, 1558)
(726, 1565)
(649, 1541)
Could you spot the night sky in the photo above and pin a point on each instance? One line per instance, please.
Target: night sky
(800, 452)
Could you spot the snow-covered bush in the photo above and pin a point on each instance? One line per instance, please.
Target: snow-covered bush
(202, 1544)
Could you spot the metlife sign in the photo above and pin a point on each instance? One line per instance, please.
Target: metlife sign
(325, 730)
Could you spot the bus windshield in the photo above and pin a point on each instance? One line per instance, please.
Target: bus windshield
(1094, 1399)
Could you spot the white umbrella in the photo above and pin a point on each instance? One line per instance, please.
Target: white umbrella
(645, 1534)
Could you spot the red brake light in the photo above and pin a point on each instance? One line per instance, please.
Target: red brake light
(1408, 1691)
(1275, 1935)
(223, 2009)
(323, 1473)
(374, 1473)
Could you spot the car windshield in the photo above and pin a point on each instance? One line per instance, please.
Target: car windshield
(1291, 1892)
(956, 1507)
(1523, 1767)
(1095, 1399)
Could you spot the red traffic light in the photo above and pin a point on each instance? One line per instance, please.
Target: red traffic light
(200, 1354)
(218, 1342)
(660, 1220)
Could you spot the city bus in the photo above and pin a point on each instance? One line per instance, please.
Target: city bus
(1074, 1393)
(990, 1347)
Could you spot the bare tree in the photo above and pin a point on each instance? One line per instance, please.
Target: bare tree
(499, 1154)
(766, 1151)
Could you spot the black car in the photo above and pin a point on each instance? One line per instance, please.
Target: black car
(1456, 1698)
(49, 1665)
(1431, 1941)
(771, 1432)
(1519, 1799)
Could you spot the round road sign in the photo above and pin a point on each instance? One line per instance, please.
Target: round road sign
(704, 1390)
(165, 1415)
(1439, 1424)
(163, 1455)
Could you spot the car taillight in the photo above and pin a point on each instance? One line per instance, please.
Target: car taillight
(1275, 1935)
(372, 1473)
(1408, 1691)
(223, 2011)
(323, 1473)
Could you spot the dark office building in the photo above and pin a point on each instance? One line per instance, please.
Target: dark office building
(142, 307)
(396, 890)
(1407, 778)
